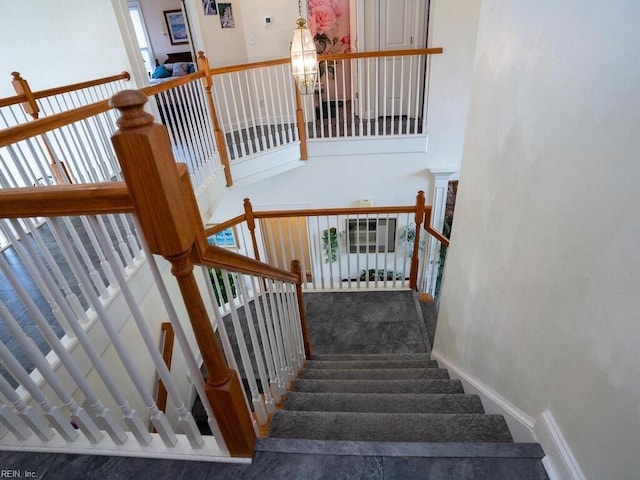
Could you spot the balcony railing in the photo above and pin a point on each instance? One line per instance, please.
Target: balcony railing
(82, 369)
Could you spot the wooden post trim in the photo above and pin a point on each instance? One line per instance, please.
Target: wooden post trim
(167, 356)
(221, 141)
(302, 131)
(296, 268)
(21, 86)
(251, 225)
(419, 218)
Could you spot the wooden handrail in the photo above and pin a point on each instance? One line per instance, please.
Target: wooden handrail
(384, 53)
(224, 225)
(418, 219)
(314, 212)
(429, 228)
(43, 125)
(169, 84)
(80, 85)
(5, 102)
(64, 200)
(218, 257)
(341, 56)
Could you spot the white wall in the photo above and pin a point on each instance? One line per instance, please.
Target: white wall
(453, 26)
(540, 299)
(56, 43)
(336, 181)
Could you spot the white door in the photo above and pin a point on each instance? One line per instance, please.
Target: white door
(402, 26)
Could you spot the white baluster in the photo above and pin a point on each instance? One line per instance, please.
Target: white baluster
(13, 423)
(131, 418)
(188, 424)
(267, 345)
(27, 413)
(52, 413)
(284, 376)
(256, 400)
(78, 414)
(195, 439)
(257, 352)
(103, 416)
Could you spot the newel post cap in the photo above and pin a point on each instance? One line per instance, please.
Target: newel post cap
(130, 103)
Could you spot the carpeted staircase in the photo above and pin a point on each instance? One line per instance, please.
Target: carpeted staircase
(397, 406)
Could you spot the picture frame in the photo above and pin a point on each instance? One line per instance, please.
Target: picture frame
(209, 7)
(176, 27)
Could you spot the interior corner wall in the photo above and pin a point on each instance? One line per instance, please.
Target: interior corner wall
(453, 26)
(540, 299)
(57, 43)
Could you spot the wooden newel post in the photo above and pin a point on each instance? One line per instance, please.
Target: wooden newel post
(302, 131)
(251, 225)
(153, 178)
(296, 269)
(221, 141)
(419, 218)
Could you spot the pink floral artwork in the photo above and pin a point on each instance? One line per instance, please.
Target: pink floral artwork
(329, 25)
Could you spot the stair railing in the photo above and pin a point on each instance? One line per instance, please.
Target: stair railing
(338, 248)
(160, 196)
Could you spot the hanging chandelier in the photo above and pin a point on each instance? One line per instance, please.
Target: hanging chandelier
(304, 60)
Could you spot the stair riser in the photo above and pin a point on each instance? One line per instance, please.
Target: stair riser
(378, 386)
(371, 364)
(383, 403)
(374, 374)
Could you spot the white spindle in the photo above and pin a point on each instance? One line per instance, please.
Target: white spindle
(26, 413)
(329, 252)
(357, 242)
(78, 414)
(52, 413)
(104, 417)
(36, 275)
(231, 138)
(256, 400)
(192, 364)
(62, 281)
(320, 251)
(273, 123)
(393, 96)
(238, 130)
(257, 352)
(131, 418)
(267, 345)
(420, 92)
(13, 423)
(246, 130)
(264, 98)
(409, 91)
(185, 418)
(280, 340)
(256, 141)
(347, 246)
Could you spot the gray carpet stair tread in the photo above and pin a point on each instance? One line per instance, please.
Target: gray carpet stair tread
(383, 402)
(404, 449)
(390, 427)
(370, 356)
(369, 364)
(378, 386)
(375, 373)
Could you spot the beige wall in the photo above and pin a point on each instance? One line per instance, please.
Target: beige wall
(540, 299)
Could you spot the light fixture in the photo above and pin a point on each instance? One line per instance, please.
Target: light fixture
(304, 60)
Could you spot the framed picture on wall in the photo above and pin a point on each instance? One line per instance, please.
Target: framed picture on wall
(209, 7)
(176, 27)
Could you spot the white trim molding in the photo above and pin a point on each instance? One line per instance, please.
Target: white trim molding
(559, 460)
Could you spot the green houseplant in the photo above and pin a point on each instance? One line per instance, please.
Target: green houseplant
(330, 244)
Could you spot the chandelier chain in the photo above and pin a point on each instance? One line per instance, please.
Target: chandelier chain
(300, 8)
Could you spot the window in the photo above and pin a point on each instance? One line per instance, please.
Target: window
(371, 235)
(141, 35)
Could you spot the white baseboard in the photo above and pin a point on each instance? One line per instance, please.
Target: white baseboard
(559, 460)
